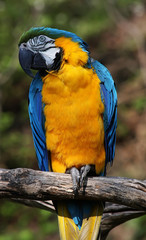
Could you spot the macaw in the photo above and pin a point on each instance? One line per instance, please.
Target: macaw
(73, 116)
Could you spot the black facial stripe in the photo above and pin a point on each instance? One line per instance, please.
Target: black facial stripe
(45, 49)
(50, 41)
(57, 60)
(33, 41)
(45, 43)
(55, 66)
(36, 44)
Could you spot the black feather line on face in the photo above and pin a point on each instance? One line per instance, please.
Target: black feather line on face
(56, 65)
(58, 60)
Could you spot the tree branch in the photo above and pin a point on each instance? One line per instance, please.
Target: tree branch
(38, 189)
(115, 215)
(31, 184)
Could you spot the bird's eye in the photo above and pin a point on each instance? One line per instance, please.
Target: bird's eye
(42, 39)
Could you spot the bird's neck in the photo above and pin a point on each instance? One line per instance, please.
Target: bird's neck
(68, 79)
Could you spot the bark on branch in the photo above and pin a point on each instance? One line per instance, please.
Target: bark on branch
(31, 184)
(37, 189)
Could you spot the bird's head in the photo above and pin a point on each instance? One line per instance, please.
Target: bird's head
(38, 49)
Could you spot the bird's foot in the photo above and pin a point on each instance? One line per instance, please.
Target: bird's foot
(84, 170)
(79, 177)
(75, 174)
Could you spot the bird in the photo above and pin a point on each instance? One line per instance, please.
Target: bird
(73, 115)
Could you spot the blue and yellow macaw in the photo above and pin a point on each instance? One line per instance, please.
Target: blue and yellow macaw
(73, 116)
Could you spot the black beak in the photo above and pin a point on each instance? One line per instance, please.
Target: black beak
(30, 60)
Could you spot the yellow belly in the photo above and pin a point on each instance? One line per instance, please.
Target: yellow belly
(74, 122)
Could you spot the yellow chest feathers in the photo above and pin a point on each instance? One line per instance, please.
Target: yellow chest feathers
(73, 111)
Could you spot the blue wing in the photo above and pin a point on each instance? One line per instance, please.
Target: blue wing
(109, 98)
(37, 120)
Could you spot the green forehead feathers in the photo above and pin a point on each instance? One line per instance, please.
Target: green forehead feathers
(52, 33)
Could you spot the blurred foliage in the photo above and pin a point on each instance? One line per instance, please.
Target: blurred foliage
(116, 34)
(136, 225)
(33, 225)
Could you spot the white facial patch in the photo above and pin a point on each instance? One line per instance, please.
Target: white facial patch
(49, 55)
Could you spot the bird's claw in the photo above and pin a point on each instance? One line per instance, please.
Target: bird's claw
(75, 174)
(84, 170)
(79, 177)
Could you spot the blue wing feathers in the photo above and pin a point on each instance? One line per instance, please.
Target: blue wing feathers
(37, 122)
(109, 98)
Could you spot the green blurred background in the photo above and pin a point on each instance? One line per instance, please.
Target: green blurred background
(116, 34)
